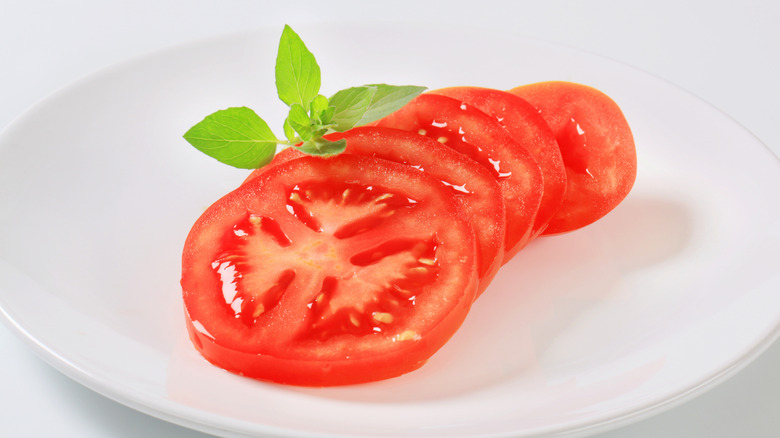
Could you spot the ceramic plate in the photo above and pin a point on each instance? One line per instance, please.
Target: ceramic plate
(672, 292)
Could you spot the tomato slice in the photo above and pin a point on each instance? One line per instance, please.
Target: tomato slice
(478, 136)
(329, 272)
(472, 186)
(597, 148)
(528, 128)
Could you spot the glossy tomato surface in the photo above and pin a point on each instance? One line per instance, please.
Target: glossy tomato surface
(597, 148)
(478, 136)
(524, 123)
(329, 272)
(472, 186)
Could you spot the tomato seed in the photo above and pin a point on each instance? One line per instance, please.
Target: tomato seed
(383, 317)
(383, 197)
(408, 335)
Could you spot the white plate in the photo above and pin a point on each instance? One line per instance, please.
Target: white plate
(671, 293)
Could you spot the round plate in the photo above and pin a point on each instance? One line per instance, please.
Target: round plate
(666, 296)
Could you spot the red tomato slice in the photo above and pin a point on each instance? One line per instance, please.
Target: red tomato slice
(470, 184)
(329, 272)
(478, 136)
(528, 128)
(597, 148)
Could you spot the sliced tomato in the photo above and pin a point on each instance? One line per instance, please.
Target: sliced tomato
(528, 128)
(472, 186)
(597, 148)
(478, 136)
(329, 272)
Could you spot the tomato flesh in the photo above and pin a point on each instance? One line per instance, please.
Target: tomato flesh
(479, 137)
(472, 186)
(329, 272)
(597, 147)
(523, 122)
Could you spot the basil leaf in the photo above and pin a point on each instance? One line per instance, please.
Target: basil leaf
(235, 136)
(327, 115)
(358, 106)
(297, 72)
(289, 132)
(322, 147)
(388, 99)
(299, 120)
(350, 105)
(318, 106)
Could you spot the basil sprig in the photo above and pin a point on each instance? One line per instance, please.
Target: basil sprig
(239, 137)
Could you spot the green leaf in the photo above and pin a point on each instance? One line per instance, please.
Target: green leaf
(327, 115)
(297, 72)
(388, 99)
(350, 105)
(322, 147)
(235, 136)
(289, 132)
(300, 121)
(318, 106)
(358, 106)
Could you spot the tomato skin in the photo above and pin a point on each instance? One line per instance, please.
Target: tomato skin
(478, 136)
(523, 122)
(284, 343)
(335, 372)
(478, 193)
(597, 147)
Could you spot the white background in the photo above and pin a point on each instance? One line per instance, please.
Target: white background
(727, 53)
